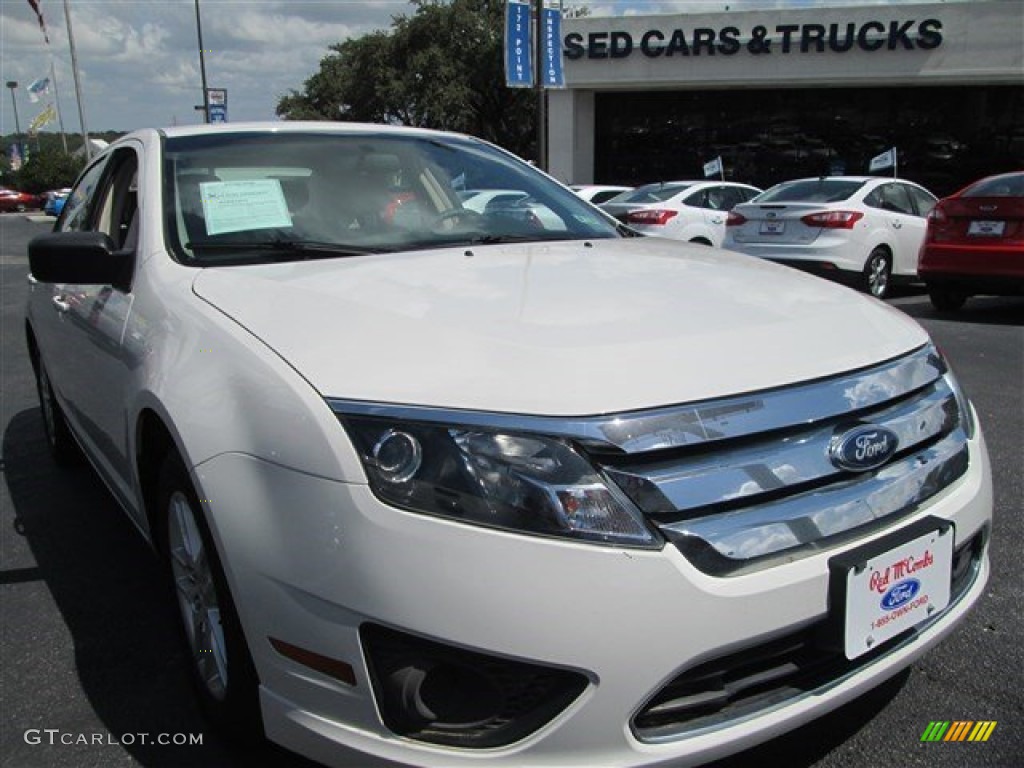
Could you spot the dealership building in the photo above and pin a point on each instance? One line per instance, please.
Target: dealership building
(779, 94)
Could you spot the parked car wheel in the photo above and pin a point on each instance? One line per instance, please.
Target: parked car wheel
(63, 447)
(221, 665)
(877, 273)
(946, 299)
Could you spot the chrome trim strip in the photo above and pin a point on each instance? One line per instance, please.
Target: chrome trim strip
(799, 524)
(774, 463)
(696, 423)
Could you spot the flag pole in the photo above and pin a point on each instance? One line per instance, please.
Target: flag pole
(56, 99)
(78, 86)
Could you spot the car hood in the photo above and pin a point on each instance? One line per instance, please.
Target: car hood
(567, 328)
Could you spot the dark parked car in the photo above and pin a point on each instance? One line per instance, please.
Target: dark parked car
(975, 243)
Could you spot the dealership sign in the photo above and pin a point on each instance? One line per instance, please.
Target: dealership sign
(760, 40)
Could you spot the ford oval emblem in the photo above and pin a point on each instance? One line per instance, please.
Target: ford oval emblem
(901, 593)
(863, 448)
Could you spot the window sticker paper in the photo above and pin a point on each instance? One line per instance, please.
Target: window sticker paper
(238, 206)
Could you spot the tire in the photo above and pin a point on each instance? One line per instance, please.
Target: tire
(877, 278)
(946, 299)
(59, 439)
(221, 666)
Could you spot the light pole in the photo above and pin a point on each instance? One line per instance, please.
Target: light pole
(13, 84)
(202, 67)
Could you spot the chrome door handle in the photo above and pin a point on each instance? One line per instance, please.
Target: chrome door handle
(61, 303)
(897, 225)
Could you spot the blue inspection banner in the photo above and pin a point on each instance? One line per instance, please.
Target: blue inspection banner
(553, 75)
(518, 61)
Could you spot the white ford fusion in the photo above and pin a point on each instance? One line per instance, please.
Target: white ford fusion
(454, 488)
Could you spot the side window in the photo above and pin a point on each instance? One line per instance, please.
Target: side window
(746, 194)
(116, 213)
(922, 200)
(896, 199)
(874, 199)
(75, 216)
(732, 196)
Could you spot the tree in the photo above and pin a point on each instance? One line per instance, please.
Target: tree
(442, 67)
(48, 170)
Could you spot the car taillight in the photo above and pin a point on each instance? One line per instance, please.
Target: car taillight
(832, 219)
(735, 219)
(938, 225)
(659, 217)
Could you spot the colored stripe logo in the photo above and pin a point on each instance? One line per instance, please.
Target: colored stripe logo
(958, 730)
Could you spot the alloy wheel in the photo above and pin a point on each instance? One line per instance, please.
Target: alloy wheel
(197, 595)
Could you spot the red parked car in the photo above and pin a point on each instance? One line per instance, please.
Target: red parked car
(13, 200)
(975, 243)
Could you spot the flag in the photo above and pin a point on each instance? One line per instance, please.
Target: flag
(885, 160)
(518, 45)
(39, 15)
(715, 166)
(15, 152)
(37, 88)
(48, 115)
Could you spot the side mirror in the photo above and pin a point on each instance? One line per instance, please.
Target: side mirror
(87, 258)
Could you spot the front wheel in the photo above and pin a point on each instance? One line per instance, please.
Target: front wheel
(62, 445)
(221, 665)
(878, 273)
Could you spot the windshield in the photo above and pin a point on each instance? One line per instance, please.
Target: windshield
(810, 191)
(273, 196)
(1009, 185)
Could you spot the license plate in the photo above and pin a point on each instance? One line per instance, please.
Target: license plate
(986, 228)
(896, 590)
(773, 227)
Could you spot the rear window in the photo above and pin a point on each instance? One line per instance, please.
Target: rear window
(1000, 186)
(650, 193)
(810, 191)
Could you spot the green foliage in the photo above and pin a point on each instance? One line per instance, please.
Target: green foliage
(48, 166)
(442, 67)
(47, 170)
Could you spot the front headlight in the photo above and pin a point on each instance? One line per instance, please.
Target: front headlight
(519, 482)
(963, 404)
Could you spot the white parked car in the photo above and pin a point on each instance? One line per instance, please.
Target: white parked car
(513, 203)
(694, 211)
(865, 231)
(598, 193)
(447, 488)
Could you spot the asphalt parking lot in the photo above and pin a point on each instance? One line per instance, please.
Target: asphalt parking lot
(89, 661)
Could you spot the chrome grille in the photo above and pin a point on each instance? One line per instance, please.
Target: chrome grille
(738, 484)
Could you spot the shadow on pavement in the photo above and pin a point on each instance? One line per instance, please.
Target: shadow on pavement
(105, 581)
(981, 310)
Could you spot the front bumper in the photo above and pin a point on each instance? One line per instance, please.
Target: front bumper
(311, 560)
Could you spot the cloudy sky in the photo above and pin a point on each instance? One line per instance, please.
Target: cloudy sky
(139, 60)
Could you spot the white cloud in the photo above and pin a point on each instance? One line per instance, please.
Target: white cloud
(139, 60)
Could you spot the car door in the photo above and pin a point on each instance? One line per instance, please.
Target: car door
(906, 226)
(82, 327)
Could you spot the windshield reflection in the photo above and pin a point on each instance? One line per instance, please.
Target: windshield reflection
(267, 196)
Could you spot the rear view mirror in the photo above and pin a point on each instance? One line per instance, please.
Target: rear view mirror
(87, 258)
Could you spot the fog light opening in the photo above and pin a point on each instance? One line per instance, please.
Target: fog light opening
(444, 696)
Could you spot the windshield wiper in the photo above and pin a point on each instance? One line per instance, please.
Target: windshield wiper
(286, 249)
